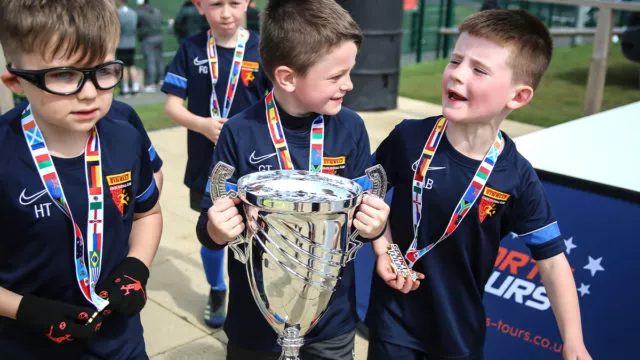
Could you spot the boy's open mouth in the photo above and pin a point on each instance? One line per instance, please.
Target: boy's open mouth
(455, 96)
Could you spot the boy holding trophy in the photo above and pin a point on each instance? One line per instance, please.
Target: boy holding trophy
(308, 49)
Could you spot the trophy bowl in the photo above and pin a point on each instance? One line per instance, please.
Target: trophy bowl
(297, 241)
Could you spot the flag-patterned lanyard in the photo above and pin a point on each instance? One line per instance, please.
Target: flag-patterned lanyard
(280, 142)
(93, 173)
(234, 73)
(467, 200)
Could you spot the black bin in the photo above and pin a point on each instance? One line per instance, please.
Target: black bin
(631, 38)
(376, 73)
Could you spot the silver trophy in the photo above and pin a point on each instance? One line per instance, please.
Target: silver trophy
(297, 241)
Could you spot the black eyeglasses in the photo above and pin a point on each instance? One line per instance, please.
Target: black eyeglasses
(68, 80)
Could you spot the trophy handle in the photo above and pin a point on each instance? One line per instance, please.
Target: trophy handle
(218, 187)
(378, 179)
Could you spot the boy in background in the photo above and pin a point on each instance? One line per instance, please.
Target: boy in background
(447, 172)
(219, 72)
(308, 49)
(79, 201)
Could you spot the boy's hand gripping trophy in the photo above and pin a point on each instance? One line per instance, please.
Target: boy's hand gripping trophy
(297, 242)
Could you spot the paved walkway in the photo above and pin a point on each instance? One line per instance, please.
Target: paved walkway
(177, 289)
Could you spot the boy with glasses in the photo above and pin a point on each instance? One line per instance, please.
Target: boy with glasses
(80, 218)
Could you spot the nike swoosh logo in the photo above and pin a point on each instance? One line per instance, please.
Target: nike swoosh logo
(255, 160)
(28, 200)
(414, 167)
(198, 62)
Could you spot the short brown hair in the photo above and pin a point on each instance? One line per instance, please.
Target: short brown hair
(89, 28)
(527, 37)
(295, 33)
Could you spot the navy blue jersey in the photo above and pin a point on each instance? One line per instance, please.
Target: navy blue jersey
(445, 317)
(245, 144)
(122, 112)
(36, 243)
(188, 78)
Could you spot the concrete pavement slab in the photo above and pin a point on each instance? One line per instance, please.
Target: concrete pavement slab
(179, 284)
(164, 330)
(204, 348)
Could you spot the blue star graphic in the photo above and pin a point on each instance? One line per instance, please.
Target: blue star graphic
(594, 265)
(584, 289)
(570, 245)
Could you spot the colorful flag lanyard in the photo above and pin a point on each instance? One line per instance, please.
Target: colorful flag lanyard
(467, 200)
(280, 142)
(93, 174)
(232, 83)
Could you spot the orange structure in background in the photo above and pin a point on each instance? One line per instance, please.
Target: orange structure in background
(410, 5)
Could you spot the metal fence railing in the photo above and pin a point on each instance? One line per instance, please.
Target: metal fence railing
(423, 40)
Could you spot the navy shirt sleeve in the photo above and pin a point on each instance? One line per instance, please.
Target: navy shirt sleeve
(533, 221)
(384, 156)
(362, 152)
(154, 158)
(147, 194)
(175, 82)
(124, 112)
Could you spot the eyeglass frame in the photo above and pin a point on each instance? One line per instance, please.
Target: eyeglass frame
(37, 77)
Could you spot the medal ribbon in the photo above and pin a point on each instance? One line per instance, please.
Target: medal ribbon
(465, 203)
(234, 73)
(93, 174)
(280, 142)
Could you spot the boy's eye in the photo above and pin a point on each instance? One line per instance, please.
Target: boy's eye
(481, 71)
(105, 71)
(453, 61)
(63, 75)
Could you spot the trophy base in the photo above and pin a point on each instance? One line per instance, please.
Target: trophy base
(291, 342)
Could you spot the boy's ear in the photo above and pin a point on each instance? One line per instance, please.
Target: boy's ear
(285, 78)
(12, 82)
(522, 95)
(198, 6)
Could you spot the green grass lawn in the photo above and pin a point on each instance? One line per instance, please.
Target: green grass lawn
(153, 116)
(560, 96)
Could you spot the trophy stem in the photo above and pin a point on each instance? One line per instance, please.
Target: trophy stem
(291, 342)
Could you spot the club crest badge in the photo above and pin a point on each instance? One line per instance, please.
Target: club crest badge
(120, 187)
(248, 72)
(491, 203)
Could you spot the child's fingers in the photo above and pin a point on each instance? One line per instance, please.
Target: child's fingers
(234, 221)
(408, 284)
(374, 202)
(222, 204)
(221, 217)
(416, 285)
(398, 282)
(365, 219)
(385, 270)
(237, 229)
